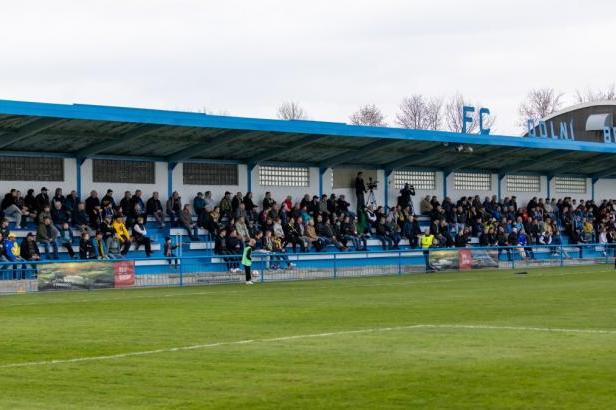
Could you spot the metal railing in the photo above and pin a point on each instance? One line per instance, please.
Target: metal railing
(197, 269)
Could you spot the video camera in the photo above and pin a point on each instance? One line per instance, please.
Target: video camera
(372, 185)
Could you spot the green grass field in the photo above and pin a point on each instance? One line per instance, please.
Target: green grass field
(445, 340)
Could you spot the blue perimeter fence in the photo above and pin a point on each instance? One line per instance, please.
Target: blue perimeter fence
(45, 275)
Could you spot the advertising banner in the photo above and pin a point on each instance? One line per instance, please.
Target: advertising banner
(124, 274)
(75, 275)
(445, 260)
(464, 259)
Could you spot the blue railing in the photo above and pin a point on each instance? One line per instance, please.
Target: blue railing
(195, 269)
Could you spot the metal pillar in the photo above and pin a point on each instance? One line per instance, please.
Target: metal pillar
(445, 175)
(79, 162)
(500, 183)
(321, 173)
(594, 181)
(249, 168)
(170, 167)
(386, 187)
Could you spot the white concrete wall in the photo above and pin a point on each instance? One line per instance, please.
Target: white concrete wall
(586, 196)
(69, 183)
(605, 189)
(188, 192)
(456, 194)
(280, 193)
(524, 197)
(88, 185)
(419, 193)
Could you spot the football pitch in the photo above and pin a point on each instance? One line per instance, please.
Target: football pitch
(483, 339)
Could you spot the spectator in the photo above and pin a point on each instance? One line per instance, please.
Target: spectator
(295, 237)
(249, 205)
(225, 206)
(71, 204)
(311, 234)
(168, 251)
(11, 252)
(109, 198)
(349, 233)
(58, 197)
(220, 248)
(30, 251)
(100, 246)
(199, 204)
(154, 208)
(174, 207)
(268, 202)
(31, 203)
(360, 190)
(92, 202)
(87, 249)
(25, 212)
(121, 235)
(42, 200)
(47, 235)
(59, 216)
(140, 236)
(81, 217)
(126, 203)
(280, 253)
(236, 201)
(425, 206)
(9, 207)
(382, 234)
(65, 237)
(187, 223)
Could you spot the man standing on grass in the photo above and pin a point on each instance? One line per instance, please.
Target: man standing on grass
(426, 241)
(247, 260)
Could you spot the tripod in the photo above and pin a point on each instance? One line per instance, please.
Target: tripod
(371, 199)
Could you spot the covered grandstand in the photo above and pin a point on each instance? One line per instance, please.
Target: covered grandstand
(88, 147)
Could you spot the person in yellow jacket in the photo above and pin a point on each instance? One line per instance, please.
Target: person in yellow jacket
(426, 241)
(121, 234)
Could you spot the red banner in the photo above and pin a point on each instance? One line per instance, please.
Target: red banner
(124, 274)
(465, 259)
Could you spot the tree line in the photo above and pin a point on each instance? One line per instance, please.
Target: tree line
(436, 113)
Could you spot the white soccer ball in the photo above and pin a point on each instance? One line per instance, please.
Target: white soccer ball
(255, 273)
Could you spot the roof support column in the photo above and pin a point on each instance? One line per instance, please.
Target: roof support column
(446, 173)
(550, 178)
(249, 168)
(594, 181)
(170, 167)
(499, 188)
(322, 172)
(386, 187)
(79, 163)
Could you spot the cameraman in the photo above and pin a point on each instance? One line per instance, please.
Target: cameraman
(405, 199)
(360, 190)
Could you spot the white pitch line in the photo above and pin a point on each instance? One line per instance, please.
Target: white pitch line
(306, 336)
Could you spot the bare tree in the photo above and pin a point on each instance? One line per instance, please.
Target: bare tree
(368, 114)
(291, 110)
(539, 103)
(607, 94)
(453, 115)
(420, 113)
(434, 114)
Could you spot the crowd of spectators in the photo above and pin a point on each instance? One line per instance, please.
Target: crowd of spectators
(108, 228)
(504, 223)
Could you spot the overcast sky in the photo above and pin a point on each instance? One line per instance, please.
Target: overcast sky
(245, 57)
